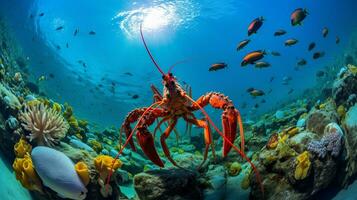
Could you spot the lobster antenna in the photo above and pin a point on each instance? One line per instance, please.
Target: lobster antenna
(177, 63)
(147, 49)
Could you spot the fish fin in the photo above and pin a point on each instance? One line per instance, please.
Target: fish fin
(306, 12)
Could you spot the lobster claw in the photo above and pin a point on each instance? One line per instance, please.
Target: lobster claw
(229, 124)
(146, 142)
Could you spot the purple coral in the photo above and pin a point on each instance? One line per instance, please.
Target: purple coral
(330, 142)
(317, 147)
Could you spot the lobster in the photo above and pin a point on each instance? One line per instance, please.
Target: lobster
(173, 104)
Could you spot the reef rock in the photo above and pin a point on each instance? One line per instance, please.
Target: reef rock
(344, 86)
(8, 99)
(350, 125)
(318, 119)
(174, 184)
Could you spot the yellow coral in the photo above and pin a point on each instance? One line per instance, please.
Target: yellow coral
(57, 107)
(234, 169)
(341, 111)
(96, 146)
(83, 172)
(322, 106)
(73, 122)
(26, 174)
(21, 148)
(302, 165)
(352, 68)
(104, 164)
(283, 137)
(292, 131)
(34, 102)
(245, 182)
(82, 123)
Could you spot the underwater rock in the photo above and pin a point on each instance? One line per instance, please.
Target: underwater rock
(186, 160)
(350, 124)
(8, 99)
(165, 184)
(57, 172)
(318, 119)
(301, 123)
(80, 145)
(122, 177)
(279, 114)
(344, 86)
(75, 154)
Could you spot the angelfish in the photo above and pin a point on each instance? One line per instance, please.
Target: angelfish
(57, 172)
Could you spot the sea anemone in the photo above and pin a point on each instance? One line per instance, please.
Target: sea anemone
(47, 126)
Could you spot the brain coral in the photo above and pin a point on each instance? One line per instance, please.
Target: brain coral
(46, 125)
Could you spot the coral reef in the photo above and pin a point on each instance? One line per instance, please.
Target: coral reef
(46, 125)
(330, 142)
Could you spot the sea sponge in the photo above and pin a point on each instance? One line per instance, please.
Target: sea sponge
(26, 174)
(46, 125)
(302, 166)
(21, 148)
(104, 164)
(234, 169)
(83, 172)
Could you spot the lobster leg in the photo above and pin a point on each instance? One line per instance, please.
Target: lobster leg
(230, 118)
(207, 135)
(132, 117)
(197, 106)
(159, 124)
(163, 138)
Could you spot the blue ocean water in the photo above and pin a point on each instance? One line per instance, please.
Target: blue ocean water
(201, 32)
